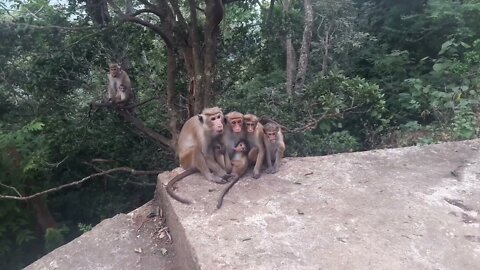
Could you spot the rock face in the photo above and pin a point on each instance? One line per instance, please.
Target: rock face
(126, 241)
(407, 208)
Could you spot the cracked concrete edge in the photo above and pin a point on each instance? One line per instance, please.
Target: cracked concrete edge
(185, 258)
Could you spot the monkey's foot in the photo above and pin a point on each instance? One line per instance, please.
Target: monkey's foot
(227, 176)
(219, 180)
(269, 170)
(256, 175)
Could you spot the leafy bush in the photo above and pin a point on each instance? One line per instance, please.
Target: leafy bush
(333, 103)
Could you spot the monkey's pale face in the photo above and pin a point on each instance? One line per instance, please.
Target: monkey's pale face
(236, 124)
(114, 71)
(272, 136)
(251, 126)
(216, 122)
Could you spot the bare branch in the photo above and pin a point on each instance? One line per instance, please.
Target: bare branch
(64, 28)
(10, 187)
(145, 10)
(75, 183)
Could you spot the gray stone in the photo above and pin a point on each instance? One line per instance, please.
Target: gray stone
(406, 208)
(124, 242)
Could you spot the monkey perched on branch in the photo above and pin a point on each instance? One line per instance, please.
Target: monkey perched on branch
(119, 87)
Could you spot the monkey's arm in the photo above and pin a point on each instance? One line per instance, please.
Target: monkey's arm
(279, 153)
(259, 161)
(268, 154)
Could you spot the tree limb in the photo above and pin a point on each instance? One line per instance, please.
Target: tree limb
(75, 183)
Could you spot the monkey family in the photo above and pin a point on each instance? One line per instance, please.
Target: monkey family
(119, 87)
(221, 147)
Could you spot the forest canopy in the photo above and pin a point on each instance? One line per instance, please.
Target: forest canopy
(340, 75)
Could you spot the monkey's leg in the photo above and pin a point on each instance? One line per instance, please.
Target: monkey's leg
(258, 163)
(194, 158)
(217, 169)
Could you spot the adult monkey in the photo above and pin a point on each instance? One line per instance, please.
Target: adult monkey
(274, 146)
(234, 132)
(255, 139)
(195, 148)
(116, 77)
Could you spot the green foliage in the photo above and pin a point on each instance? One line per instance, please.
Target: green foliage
(84, 227)
(55, 238)
(328, 104)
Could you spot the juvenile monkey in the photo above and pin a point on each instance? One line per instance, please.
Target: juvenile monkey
(239, 167)
(255, 139)
(234, 132)
(122, 96)
(274, 146)
(195, 148)
(117, 77)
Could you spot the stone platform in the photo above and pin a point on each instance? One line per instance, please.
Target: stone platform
(406, 208)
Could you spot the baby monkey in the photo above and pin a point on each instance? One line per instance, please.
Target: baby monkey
(239, 167)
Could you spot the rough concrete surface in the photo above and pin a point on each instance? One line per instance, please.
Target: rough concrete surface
(406, 208)
(124, 242)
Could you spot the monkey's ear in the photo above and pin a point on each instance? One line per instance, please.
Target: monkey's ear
(200, 118)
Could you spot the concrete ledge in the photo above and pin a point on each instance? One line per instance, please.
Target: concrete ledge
(406, 208)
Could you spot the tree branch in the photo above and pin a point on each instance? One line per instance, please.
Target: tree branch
(75, 183)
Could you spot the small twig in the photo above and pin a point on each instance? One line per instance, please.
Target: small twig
(58, 163)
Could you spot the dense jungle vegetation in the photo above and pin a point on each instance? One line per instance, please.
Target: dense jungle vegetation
(341, 75)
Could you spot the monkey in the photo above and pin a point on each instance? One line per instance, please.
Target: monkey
(219, 153)
(116, 78)
(122, 96)
(274, 146)
(240, 165)
(255, 139)
(234, 132)
(195, 148)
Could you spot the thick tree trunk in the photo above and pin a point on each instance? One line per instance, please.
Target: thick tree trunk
(42, 214)
(171, 94)
(214, 14)
(326, 46)
(290, 52)
(305, 50)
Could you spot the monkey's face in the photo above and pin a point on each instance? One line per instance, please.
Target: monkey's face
(114, 71)
(271, 136)
(121, 88)
(241, 147)
(216, 123)
(236, 124)
(251, 126)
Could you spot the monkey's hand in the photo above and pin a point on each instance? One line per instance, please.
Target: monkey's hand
(256, 175)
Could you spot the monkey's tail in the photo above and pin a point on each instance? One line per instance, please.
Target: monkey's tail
(225, 191)
(177, 178)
